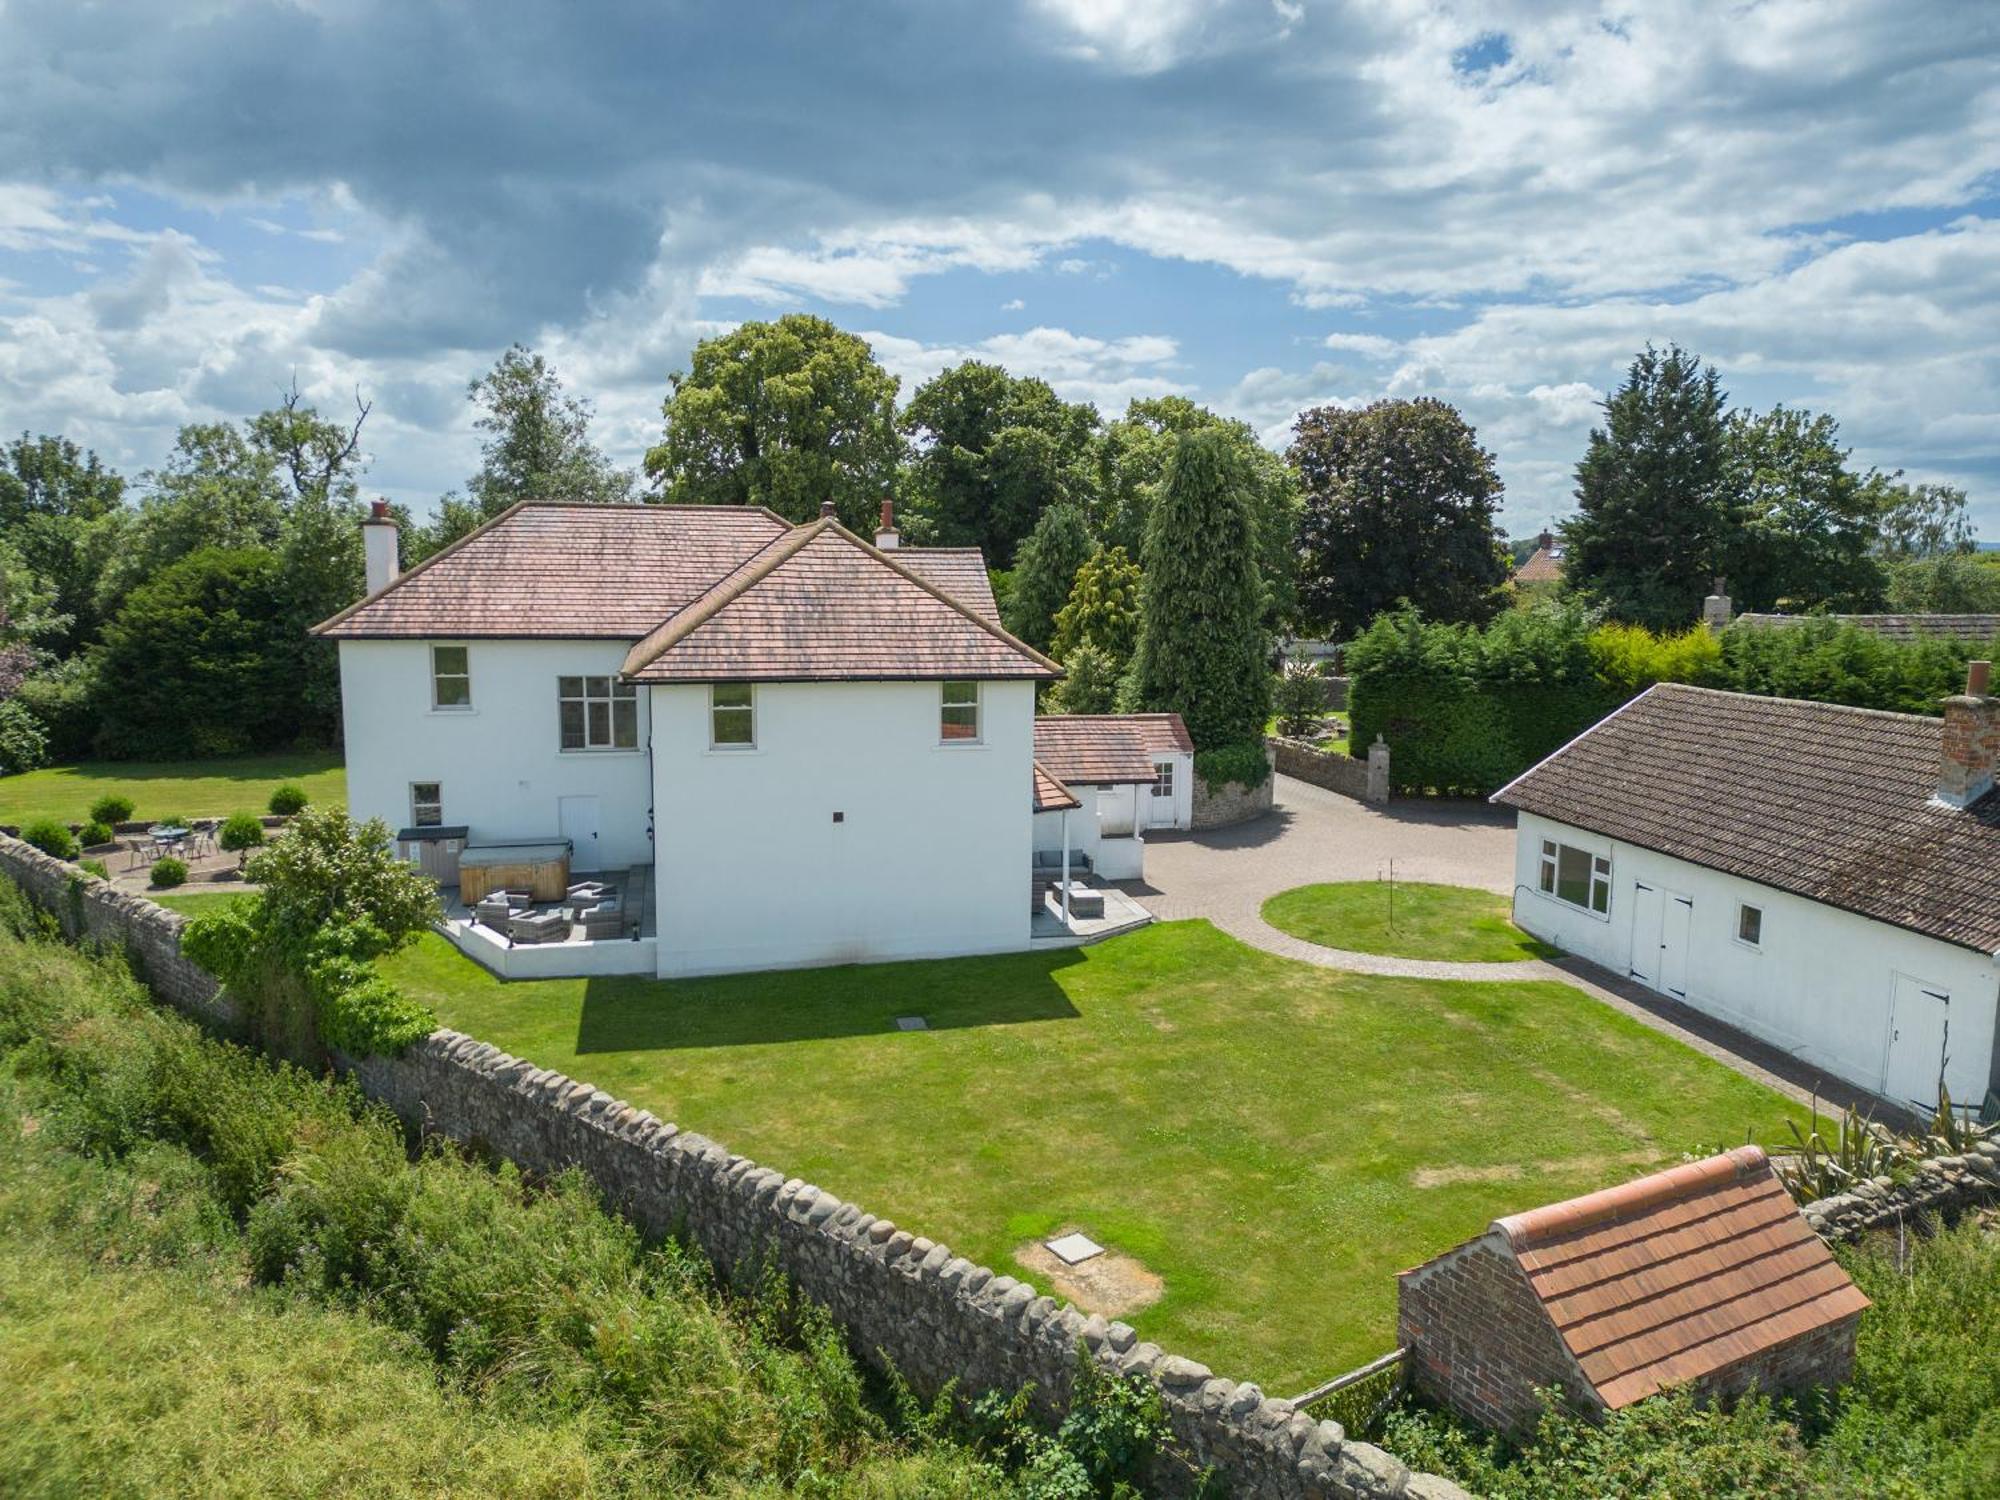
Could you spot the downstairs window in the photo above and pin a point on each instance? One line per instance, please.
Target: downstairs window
(1576, 876)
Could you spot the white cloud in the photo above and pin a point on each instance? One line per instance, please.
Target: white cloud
(1371, 345)
(1109, 373)
(1013, 304)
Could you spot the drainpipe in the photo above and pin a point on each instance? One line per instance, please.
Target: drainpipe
(1065, 867)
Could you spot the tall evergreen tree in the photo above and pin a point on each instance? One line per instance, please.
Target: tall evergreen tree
(1052, 555)
(538, 443)
(1202, 649)
(1655, 512)
(1102, 610)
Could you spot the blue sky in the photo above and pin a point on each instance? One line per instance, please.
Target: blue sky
(1263, 204)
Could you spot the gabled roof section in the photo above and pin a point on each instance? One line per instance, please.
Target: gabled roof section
(1828, 802)
(1975, 628)
(1106, 749)
(1678, 1275)
(564, 571)
(820, 604)
(1050, 794)
(1543, 565)
(957, 571)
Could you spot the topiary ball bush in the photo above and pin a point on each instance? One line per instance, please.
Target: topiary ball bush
(94, 832)
(287, 799)
(51, 837)
(242, 832)
(169, 872)
(111, 808)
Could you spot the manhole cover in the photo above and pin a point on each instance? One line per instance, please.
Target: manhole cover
(912, 1023)
(1072, 1249)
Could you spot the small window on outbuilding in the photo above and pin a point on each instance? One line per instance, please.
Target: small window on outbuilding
(451, 677)
(426, 804)
(1750, 925)
(732, 716)
(958, 715)
(1576, 876)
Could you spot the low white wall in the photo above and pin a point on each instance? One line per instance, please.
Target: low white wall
(500, 763)
(930, 857)
(1819, 984)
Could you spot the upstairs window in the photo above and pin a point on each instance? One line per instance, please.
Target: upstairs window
(732, 716)
(598, 713)
(1576, 876)
(1163, 778)
(958, 718)
(426, 804)
(451, 678)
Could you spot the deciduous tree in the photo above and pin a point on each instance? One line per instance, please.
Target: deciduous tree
(538, 444)
(62, 512)
(1805, 525)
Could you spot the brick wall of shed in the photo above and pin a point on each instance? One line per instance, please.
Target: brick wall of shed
(1823, 1357)
(1479, 1342)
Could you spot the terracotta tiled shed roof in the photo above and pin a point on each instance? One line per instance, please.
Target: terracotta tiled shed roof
(1050, 794)
(1679, 1274)
(820, 604)
(1975, 628)
(1104, 749)
(1827, 802)
(604, 571)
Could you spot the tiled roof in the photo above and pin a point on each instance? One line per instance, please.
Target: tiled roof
(1827, 802)
(1106, 749)
(606, 571)
(820, 604)
(1544, 565)
(957, 571)
(1975, 628)
(1050, 794)
(1679, 1274)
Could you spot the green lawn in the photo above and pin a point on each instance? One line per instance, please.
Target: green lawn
(188, 788)
(194, 902)
(1274, 1139)
(1411, 921)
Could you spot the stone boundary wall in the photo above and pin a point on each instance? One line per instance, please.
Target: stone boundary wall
(1940, 1185)
(901, 1298)
(1336, 773)
(1232, 802)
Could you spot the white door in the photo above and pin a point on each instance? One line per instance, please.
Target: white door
(579, 825)
(1161, 799)
(1661, 920)
(1919, 1040)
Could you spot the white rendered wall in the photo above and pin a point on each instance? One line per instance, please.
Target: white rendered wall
(1820, 983)
(1112, 858)
(930, 858)
(499, 763)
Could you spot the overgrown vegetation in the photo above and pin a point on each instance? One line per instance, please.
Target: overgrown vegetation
(1921, 1417)
(342, 1316)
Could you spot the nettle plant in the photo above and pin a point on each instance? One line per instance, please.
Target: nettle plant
(334, 898)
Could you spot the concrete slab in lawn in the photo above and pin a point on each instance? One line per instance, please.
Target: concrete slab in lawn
(912, 1023)
(1074, 1249)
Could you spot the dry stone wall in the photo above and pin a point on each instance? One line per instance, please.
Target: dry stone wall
(902, 1298)
(1940, 1185)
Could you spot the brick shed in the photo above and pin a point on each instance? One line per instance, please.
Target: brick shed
(1704, 1273)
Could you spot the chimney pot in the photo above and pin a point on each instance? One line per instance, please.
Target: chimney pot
(1978, 676)
(1970, 758)
(826, 510)
(886, 535)
(379, 510)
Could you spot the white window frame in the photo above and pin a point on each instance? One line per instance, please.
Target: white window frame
(1163, 778)
(417, 805)
(438, 707)
(946, 705)
(1597, 880)
(732, 747)
(617, 692)
(1756, 944)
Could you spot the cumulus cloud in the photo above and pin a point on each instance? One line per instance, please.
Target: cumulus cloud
(1109, 373)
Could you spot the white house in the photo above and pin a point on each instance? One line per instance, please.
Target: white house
(1129, 772)
(1825, 878)
(795, 747)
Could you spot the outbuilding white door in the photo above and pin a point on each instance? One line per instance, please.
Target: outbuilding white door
(579, 826)
(1661, 923)
(1919, 1037)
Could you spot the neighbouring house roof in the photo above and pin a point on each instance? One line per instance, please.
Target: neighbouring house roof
(1050, 794)
(957, 571)
(1107, 749)
(820, 604)
(572, 571)
(1978, 628)
(1678, 1275)
(1543, 565)
(1828, 802)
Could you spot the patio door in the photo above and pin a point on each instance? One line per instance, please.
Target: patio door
(1919, 1036)
(578, 816)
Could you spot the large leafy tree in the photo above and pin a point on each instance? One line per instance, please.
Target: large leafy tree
(61, 512)
(1655, 511)
(993, 452)
(218, 489)
(784, 415)
(1400, 501)
(201, 660)
(1203, 650)
(1051, 557)
(1806, 526)
(1132, 466)
(537, 444)
(1919, 520)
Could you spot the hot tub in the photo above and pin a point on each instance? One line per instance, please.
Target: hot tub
(541, 868)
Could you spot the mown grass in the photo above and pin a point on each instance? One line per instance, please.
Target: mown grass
(194, 903)
(1405, 919)
(1274, 1139)
(185, 788)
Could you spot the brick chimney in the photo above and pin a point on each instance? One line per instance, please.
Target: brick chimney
(1545, 541)
(1971, 751)
(887, 537)
(1716, 608)
(380, 560)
